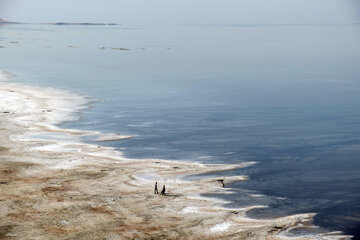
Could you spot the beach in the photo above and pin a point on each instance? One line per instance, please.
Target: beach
(54, 186)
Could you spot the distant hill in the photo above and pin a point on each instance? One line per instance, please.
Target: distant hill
(2, 21)
(63, 23)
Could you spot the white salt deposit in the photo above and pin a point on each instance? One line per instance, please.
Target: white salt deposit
(190, 210)
(112, 137)
(221, 227)
(57, 147)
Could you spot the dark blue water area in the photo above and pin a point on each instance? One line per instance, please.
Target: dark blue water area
(285, 97)
(307, 159)
(307, 154)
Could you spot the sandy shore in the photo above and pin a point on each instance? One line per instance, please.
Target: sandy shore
(53, 186)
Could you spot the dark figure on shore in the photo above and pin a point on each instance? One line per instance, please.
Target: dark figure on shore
(163, 190)
(222, 182)
(156, 189)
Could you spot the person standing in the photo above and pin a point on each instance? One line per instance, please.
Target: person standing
(163, 190)
(156, 189)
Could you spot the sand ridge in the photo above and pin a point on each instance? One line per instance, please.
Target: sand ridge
(61, 188)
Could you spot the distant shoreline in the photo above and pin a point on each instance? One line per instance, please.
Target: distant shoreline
(2, 21)
(86, 23)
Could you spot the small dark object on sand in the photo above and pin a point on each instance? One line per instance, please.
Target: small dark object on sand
(156, 189)
(222, 182)
(163, 190)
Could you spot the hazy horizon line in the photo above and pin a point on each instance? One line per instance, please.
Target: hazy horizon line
(187, 24)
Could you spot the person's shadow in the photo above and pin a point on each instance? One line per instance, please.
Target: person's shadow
(172, 195)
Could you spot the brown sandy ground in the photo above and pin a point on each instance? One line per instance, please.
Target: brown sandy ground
(94, 202)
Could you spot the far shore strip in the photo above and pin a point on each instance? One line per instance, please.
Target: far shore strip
(62, 188)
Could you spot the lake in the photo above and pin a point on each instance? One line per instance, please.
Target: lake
(284, 96)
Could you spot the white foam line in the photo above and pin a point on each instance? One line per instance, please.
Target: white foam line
(112, 137)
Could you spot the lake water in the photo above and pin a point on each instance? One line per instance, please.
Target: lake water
(284, 96)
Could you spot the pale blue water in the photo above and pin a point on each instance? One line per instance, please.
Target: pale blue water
(285, 96)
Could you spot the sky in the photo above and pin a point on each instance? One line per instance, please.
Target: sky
(183, 11)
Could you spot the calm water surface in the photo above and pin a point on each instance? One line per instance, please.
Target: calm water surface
(285, 96)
